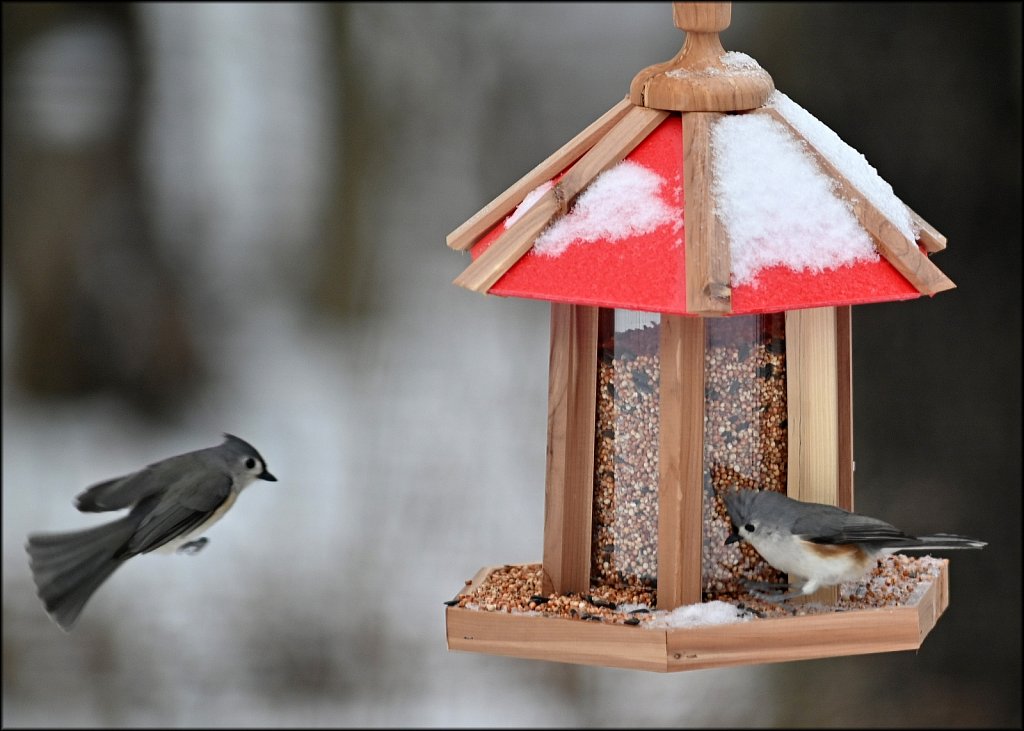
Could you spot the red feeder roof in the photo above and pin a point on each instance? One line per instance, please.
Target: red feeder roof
(648, 272)
(759, 207)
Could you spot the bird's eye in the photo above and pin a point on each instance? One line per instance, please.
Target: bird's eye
(749, 527)
(250, 463)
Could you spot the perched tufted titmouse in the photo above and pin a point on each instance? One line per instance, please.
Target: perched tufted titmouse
(818, 545)
(171, 501)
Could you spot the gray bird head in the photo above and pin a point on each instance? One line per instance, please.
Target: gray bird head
(769, 512)
(244, 459)
(740, 504)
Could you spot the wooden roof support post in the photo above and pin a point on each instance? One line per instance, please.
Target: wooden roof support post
(680, 461)
(625, 135)
(928, 237)
(470, 232)
(898, 250)
(812, 395)
(572, 413)
(708, 264)
(844, 395)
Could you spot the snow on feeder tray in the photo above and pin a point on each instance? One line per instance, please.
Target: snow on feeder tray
(701, 244)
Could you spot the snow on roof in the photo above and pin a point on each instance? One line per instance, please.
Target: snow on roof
(736, 60)
(621, 203)
(734, 63)
(850, 163)
(794, 241)
(532, 197)
(777, 207)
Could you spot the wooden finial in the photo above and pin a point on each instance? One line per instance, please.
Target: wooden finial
(702, 77)
(702, 17)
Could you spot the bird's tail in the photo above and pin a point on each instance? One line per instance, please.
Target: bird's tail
(69, 567)
(943, 541)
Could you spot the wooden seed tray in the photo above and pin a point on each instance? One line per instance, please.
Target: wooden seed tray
(781, 639)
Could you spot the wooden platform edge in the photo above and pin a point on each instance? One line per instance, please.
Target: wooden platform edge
(810, 637)
(554, 639)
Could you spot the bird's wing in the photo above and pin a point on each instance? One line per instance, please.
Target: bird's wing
(835, 526)
(185, 505)
(118, 493)
(128, 490)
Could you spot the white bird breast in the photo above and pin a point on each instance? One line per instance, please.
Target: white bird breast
(174, 544)
(791, 555)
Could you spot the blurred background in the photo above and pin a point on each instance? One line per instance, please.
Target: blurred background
(232, 217)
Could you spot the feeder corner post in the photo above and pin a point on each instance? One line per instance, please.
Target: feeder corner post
(569, 479)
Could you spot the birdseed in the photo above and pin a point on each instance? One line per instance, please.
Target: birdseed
(624, 533)
(745, 445)
(896, 580)
(745, 437)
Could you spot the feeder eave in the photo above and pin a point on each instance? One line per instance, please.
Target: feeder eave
(647, 269)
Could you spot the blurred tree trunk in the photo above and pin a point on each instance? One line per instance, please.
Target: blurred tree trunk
(95, 308)
(343, 281)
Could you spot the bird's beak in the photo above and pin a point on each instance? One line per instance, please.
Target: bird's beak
(733, 537)
(264, 475)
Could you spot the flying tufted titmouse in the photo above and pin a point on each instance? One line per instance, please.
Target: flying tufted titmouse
(818, 545)
(171, 501)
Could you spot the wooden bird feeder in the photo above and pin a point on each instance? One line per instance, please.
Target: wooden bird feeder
(701, 244)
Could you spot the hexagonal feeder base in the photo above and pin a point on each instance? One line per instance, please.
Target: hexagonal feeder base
(850, 632)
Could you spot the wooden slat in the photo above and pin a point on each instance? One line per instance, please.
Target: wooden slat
(512, 244)
(797, 638)
(499, 257)
(572, 409)
(844, 394)
(813, 404)
(680, 461)
(813, 411)
(929, 237)
(555, 639)
(707, 248)
(470, 232)
(935, 601)
(898, 250)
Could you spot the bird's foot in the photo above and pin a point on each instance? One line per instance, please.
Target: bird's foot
(766, 590)
(193, 547)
